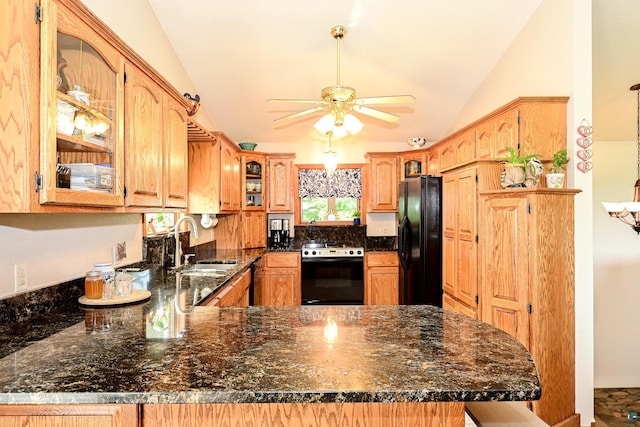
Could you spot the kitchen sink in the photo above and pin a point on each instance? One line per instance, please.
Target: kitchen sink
(213, 267)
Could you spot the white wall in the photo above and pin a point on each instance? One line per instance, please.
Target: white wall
(552, 56)
(617, 270)
(60, 247)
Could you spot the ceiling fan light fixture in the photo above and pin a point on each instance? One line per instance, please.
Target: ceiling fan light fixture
(327, 124)
(352, 124)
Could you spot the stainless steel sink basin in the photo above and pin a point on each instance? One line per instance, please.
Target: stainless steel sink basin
(208, 266)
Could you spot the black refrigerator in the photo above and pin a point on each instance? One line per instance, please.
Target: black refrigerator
(420, 240)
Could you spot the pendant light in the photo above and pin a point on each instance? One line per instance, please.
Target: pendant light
(330, 158)
(629, 212)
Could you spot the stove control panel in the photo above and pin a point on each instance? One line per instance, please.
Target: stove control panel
(332, 252)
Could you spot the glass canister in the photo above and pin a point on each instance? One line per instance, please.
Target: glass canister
(108, 275)
(93, 285)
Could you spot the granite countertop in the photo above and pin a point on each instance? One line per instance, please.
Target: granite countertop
(68, 312)
(168, 351)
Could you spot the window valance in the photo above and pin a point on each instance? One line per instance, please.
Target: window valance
(342, 183)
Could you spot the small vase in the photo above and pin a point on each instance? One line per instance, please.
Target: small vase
(555, 180)
(356, 221)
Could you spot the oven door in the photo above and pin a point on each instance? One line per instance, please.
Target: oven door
(333, 281)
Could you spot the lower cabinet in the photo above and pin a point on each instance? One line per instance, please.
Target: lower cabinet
(281, 284)
(69, 415)
(527, 285)
(381, 278)
(234, 294)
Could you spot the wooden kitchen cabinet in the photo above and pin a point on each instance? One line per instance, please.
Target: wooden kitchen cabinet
(214, 173)
(230, 174)
(459, 247)
(233, 294)
(144, 133)
(108, 415)
(281, 285)
(432, 161)
(280, 183)
(411, 164)
(254, 229)
(73, 105)
(175, 158)
(252, 182)
(446, 154)
(45, 124)
(527, 276)
(381, 278)
(156, 145)
(382, 187)
(495, 135)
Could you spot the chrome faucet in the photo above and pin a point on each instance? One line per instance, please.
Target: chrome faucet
(177, 260)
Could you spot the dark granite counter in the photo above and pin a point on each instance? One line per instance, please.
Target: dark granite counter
(36, 315)
(168, 351)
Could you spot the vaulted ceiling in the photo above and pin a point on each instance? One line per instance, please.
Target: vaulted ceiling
(241, 53)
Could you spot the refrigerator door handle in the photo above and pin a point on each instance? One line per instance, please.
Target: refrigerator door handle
(404, 245)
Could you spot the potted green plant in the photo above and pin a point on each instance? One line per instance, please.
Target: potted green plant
(518, 169)
(356, 217)
(555, 177)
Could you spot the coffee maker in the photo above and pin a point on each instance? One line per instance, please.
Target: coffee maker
(279, 233)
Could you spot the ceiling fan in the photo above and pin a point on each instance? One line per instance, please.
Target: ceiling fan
(338, 101)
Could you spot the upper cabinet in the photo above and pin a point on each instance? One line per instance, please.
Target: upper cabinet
(382, 182)
(214, 172)
(230, 173)
(411, 164)
(156, 145)
(81, 150)
(144, 140)
(80, 138)
(253, 188)
(280, 179)
(175, 164)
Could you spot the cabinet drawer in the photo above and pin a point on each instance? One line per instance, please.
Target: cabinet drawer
(285, 259)
(381, 259)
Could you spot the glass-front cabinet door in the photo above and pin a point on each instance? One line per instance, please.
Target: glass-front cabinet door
(82, 77)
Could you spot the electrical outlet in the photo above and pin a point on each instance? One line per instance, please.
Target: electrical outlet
(20, 277)
(383, 231)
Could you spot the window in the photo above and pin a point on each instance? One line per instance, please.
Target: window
(328, 198)
(328, 208)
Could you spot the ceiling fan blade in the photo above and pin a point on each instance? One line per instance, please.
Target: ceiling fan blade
(395, 99)
(300, 113)
(301, 101)
(388, 117)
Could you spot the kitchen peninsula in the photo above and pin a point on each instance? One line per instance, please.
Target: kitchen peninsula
(339, 365)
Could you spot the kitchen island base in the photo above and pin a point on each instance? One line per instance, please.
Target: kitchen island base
(387, 414)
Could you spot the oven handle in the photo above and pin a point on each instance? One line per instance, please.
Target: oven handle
(355, 259)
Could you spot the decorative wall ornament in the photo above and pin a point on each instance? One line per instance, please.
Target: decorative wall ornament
(585, 130)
